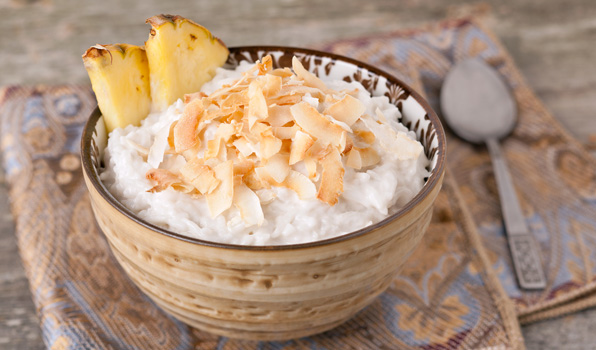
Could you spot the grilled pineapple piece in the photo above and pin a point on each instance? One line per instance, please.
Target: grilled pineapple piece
(182, 56)
(119, 76)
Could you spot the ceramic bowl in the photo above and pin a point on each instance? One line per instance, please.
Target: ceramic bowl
(273, 292)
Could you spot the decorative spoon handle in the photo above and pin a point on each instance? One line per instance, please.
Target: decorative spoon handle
(524, 249)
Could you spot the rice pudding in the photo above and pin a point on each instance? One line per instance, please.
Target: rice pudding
(325, 159)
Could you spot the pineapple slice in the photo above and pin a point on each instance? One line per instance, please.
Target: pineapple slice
(119, 76)
(182, 56)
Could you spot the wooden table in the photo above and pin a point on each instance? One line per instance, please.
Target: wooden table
(552, 41)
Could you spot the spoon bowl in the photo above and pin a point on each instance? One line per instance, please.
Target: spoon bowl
(479, 107)
(476, 103)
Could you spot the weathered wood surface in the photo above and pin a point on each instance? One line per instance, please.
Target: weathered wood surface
(552, 41)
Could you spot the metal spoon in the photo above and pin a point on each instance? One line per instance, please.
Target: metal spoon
(479, 108)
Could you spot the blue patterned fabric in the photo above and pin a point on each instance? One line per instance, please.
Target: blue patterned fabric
(552, 172)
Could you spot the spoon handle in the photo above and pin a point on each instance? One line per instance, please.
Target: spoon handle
(524, 249)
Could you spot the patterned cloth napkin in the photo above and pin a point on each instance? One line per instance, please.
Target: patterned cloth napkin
(455, 291)
(554, 175)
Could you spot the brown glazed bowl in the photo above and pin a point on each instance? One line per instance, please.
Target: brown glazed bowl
(273, 292)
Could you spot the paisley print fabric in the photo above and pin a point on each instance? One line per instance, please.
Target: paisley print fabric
(554, 176)
(455, 292)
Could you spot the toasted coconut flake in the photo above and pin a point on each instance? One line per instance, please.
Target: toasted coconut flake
(353, 159)
(369, 157)
(384, 133)
(346, 110)
(332, 178)
(232, 153)
(171, 135)
(406, 148)
(270, 145)
(191, 153)
(173, 163)
(192, 168)
(294, 80)
(262, 173)
(212, 163)
(279, 115)
(286, 146)
(272, 85)
(223, 153)
(200, 176)
(243, 146)
(236, 116)
(249, 205)
(330, 99)
(285, 132)
(347, 146)
(394, 142)
(251, 134)
(185, 129)
(353, 92)
(302, 90)
(314, 123)
(159, 147)
(213, 148)
(343, 143)
(318, 150)
(234, 100)
(343, 125)
(225, 90)
(301, 185)
(193, 96)
(365, 136)
(283, 100)
(380, 116)
(277, 167)
(257, 105)
(205, 182)
(254, 182)
(211, 114)
(221, 198)
(359, 158)
(265, 65)
(259, 128)
(300, 145)
(243, 166)
(266, 196)
(309, 78)
(282, 72)
(164, 179)
(310, 163)
(216, 147)
(295, 181)
(225, 131)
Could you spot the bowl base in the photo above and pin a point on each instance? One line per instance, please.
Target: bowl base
(257, 335)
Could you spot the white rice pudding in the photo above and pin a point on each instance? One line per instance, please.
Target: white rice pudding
(369, 195)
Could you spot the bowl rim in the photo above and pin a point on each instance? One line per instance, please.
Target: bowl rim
(430, 184)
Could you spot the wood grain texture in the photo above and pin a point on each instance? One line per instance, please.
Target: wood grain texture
(552, 42)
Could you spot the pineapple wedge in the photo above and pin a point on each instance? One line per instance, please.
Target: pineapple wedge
(182, 56)
(119, 76)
